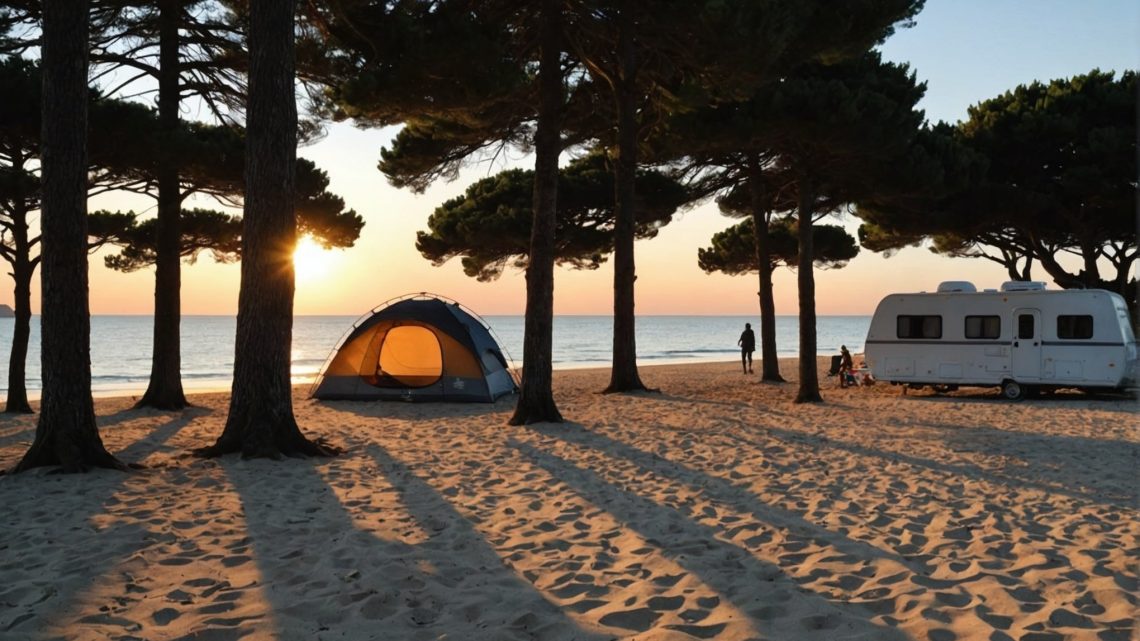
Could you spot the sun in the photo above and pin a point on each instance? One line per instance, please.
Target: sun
(310, 260)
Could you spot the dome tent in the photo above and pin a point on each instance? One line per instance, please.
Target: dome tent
(419, 347)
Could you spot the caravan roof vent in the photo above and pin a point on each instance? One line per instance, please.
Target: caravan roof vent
(1023, 286)
(956, 286)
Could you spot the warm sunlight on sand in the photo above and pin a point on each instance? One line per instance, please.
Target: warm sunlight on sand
(717, 509)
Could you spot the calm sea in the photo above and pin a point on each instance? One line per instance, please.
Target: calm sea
(121, 345)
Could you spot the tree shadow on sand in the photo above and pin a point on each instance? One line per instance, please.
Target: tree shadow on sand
(22, 435)
(320, 564)
(1032, 524)
(1050, 462)
(718, 489)
(758, 588)
(73, 553)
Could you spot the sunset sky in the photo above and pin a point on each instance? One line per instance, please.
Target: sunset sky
(965, 51)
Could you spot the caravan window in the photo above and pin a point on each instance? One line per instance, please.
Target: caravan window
(983, 326)
(1074, 326)
(1025, 327)
(919, 327)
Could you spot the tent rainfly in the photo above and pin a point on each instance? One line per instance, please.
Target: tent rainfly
(416, 348)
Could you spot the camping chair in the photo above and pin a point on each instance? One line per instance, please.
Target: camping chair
(836, 365)
(836, 361)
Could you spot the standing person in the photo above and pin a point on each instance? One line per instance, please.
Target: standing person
(747, 345)
(846, 366)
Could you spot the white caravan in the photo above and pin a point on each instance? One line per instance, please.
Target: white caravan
(1024, 338)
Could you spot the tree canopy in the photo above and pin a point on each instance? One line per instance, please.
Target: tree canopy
(733, 251)
(1058, 178)
(320, 215)
(489, 226)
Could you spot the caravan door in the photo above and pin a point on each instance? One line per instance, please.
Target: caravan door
(1026, 349)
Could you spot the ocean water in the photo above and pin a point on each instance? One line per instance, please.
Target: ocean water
(121, 345)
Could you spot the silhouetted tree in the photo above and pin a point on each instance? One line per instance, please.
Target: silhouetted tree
(260, 422)
(66, 434)
(840, 127)
(19, 198)
(732, 251)
(178, 49)
(723, 140)
(20, 126)
(1059, 179)
(536, 400)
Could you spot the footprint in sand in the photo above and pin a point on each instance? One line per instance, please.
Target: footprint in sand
(1087, 604)
(236, 560)
(669, 580)
(217, 608)
(996, 620)
(1068, 619)
(1029, 600)
(693, 615)
(952, 599)
(665, 603)
(585, 605)
(577, 589)
(847, 583)
(699, 631)
(640, 619)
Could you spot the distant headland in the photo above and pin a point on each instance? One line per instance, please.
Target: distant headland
(6, 311)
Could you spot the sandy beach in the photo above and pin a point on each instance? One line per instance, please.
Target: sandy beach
(715, 509)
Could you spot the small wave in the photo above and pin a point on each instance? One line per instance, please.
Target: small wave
(208, 375)
(117, 378)
(308, 362)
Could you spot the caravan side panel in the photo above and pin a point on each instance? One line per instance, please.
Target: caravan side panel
(927, 339)
(1057, 338)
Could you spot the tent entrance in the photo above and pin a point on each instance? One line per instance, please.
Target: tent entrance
(416, 348)
(409, 356)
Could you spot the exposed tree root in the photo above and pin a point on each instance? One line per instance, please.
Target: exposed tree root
(542, 412)
(257, 440)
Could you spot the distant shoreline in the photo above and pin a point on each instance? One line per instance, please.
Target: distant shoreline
(121, 346)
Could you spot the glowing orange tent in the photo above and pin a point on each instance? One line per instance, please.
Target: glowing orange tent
(417, 348)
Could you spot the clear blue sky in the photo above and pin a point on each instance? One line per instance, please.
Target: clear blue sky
(965, 50)
(969, 50)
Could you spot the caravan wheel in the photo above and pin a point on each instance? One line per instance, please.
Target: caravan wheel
(1012, 391)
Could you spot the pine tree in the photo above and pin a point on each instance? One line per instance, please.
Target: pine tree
(66, 434)
(260, 422)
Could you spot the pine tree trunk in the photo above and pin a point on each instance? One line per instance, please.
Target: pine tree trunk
(809, 373)
(165, 388)
(536, 397)
(623, 375)
(21, 333)
(22, 270)
(769, 360)
(260, 421)
(66, 434)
